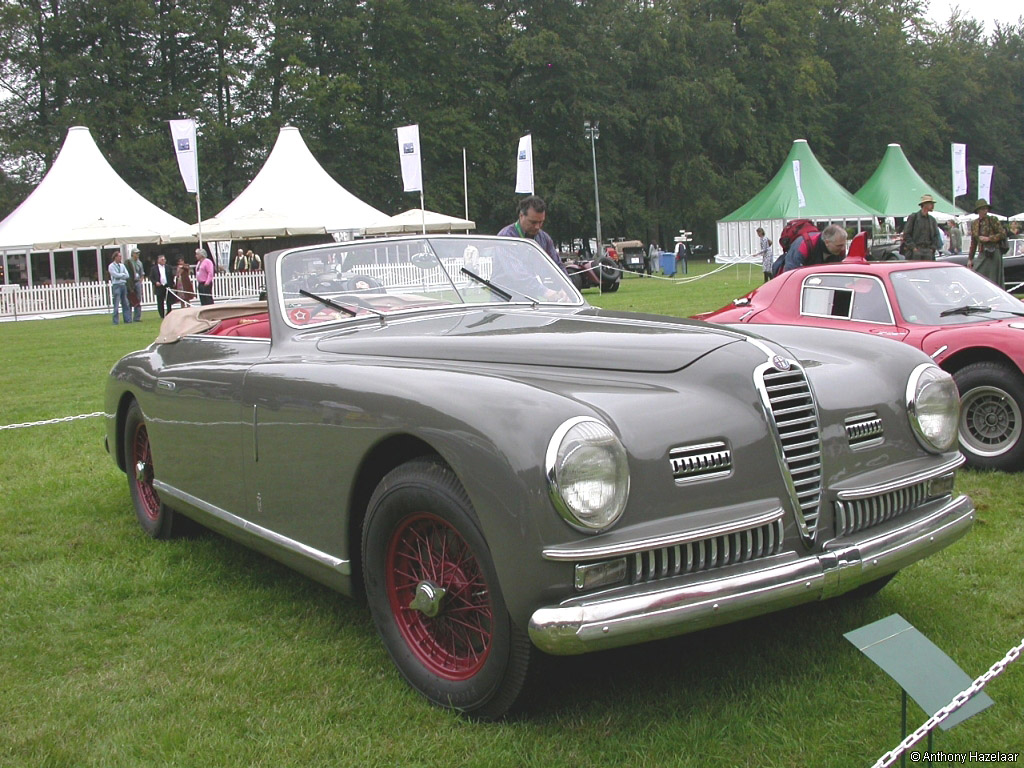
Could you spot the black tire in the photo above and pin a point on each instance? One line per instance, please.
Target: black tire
(608, 271)
(157, 519)
(419, 516)
(576, 278)
(363, 284)
(871, 588)
(991, 415)
(610, 275)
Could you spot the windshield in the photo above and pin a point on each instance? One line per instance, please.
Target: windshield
(950, 296)
(372, 278)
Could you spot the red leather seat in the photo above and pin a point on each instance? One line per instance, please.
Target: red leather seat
(251, 326)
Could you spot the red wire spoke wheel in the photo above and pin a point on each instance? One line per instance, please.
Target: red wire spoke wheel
(434, 593)
(156, 518)
(140, 467)
(439, 597)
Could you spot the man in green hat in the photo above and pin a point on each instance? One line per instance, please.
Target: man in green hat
(988, 241)
(921, 233)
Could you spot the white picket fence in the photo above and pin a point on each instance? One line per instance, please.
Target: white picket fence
(17, 302)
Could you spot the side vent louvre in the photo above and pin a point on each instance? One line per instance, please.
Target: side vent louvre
(864, 430)
(700, 462)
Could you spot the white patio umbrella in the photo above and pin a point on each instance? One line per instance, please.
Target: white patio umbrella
(418, 220)
(261, 223)
(102, 231)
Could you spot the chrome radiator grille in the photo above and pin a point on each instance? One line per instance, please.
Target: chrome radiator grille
(856, 515)
(705, 554)
(791, 406)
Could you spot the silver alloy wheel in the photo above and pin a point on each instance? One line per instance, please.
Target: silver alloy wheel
(990, 421)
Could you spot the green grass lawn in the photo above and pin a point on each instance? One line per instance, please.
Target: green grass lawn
(116, 650)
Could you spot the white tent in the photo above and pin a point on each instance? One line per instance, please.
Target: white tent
(418, 220)
(292, 194)
(78, 201)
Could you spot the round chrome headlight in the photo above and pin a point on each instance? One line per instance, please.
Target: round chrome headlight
(588, 474)
(933, 406)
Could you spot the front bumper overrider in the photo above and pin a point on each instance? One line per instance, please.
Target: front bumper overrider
(587, 624)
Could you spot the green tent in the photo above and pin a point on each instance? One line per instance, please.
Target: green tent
(818, 196)
(823, 197)
(895, 188)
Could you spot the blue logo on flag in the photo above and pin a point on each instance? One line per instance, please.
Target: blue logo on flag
(183, 145)
(522, 154)
(409, 148)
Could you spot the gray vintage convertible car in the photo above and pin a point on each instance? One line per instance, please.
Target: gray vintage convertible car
(444, 425)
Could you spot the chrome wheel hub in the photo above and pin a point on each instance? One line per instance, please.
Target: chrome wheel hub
(428, 598)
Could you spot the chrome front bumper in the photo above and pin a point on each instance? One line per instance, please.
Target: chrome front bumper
(586, 624)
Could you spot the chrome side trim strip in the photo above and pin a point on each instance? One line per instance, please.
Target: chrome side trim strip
(658, 542)
(342, 566)
(903, 482)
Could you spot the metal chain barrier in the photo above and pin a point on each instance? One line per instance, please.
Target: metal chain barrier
(958, 701)
(52, 421)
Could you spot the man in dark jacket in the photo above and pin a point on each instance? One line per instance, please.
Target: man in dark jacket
(921, 233)
(817, 248)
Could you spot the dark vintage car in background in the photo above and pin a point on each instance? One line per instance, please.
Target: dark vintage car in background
(603, 272)
(1013, 263)
(633, 256)
(502, 470)
(970, 327)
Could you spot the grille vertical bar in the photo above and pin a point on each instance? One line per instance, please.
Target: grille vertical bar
(791, 407)
(707, 554)
(854, 516)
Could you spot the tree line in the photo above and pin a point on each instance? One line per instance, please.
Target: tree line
(699, 101)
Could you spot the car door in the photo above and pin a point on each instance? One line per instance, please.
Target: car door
(194, 416)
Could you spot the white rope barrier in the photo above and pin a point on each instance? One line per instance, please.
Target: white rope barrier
(674, 280)
(52, 421)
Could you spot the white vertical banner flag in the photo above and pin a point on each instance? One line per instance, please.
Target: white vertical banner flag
(524, 165)
(959, 170)
(985, 182)
(183, 134)
(801, 202)
(409, 154)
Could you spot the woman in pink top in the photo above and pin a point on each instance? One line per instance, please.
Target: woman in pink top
(204, 277)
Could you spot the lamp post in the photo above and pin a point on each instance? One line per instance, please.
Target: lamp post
(591, 132)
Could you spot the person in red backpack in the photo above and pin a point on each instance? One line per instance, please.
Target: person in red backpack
(816, 248)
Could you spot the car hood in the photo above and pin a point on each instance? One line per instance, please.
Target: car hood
(1005, 333)
(589, 339)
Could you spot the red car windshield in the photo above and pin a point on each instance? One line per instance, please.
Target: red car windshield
(951, 296)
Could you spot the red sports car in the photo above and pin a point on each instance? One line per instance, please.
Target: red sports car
(970, 327)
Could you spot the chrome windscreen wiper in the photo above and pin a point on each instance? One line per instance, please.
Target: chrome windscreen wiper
(978, 309)
(484, 281)
(966, 309)
(353, 300)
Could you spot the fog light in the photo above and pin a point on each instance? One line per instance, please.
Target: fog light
(591, 575)
(941, 486)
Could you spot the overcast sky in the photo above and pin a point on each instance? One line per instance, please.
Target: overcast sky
(986, 11)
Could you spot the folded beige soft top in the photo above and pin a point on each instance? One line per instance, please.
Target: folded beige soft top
(183, 322)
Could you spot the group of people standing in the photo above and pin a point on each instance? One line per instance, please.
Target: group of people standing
(247, 261)
(921, 239)
(921, 242)
(170, 285)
